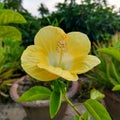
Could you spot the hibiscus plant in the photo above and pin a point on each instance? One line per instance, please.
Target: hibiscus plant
(58, 57)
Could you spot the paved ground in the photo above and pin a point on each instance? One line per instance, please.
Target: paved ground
(16, 112)
(12, 112)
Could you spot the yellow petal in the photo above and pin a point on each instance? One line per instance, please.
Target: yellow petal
(84, 64)
(59, 72)
(32, 56)
(48, 38)
(78, 44)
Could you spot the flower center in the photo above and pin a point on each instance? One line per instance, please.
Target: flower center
(61, 48)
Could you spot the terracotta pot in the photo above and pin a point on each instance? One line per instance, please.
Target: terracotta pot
(112, 102)
(39, 110)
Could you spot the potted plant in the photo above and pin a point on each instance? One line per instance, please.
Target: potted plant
(57, 57)
(107, 78)
(38, 109)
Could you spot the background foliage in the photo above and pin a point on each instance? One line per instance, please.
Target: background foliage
(92, 17)
(95, 19)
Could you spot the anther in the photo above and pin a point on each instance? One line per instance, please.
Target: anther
(61, 46)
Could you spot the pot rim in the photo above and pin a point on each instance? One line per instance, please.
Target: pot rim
(14, 95)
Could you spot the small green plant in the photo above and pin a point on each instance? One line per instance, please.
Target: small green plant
(10, 52)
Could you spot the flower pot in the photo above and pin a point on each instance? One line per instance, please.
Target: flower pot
(39, 110)
(112, 102)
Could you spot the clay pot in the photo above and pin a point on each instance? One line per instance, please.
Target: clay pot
(39, 110)
(112, 102)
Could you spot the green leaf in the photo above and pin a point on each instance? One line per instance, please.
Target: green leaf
(97, 110)
(86, 115)
(55, 102)
(109, 76)
(113, 52)
(1, 5)
(116, 88)
(9, 16)
(77, 117)
(61, 85)
(117, 44)
(97, 95)
(35, 93)
(115, 72)
(10, 32)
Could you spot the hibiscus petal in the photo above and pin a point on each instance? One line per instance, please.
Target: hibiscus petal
(78, 44)
(56, 54)
(48, 38)
(30, 58)
(59, 72)
(84, 64)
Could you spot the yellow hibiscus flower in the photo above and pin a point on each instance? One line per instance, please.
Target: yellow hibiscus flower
(57, 54)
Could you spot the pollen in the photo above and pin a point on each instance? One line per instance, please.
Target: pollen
(62, 45)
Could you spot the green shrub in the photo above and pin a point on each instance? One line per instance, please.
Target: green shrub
(107, 74)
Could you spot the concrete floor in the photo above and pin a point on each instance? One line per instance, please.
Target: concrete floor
(16, 112)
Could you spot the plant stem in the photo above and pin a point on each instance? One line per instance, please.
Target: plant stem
(73, 106)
